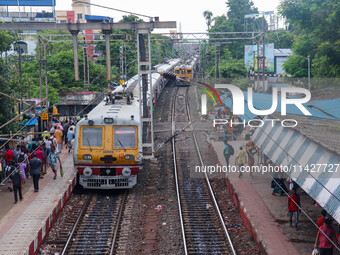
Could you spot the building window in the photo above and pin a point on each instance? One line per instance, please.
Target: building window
(79, 16)
(63, 21)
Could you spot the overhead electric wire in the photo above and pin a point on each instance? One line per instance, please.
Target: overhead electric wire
(114, 9)
(29, 154)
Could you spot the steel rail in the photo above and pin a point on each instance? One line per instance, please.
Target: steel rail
(120, 214)
(75, 225)
(208, 183)
(176, 175)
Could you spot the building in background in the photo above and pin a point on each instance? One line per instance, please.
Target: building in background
(27, 11)
(281, 56)
(81, 13)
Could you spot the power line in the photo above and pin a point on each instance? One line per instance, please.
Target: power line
(43, 141)
(110, 8)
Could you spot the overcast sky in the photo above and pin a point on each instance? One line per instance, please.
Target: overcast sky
(188, 13)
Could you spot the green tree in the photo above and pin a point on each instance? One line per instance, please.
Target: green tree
(316, 26)
(208, 15)
(6, 41)
(282, 39)
(296, 66)
(233, 21)
(6, 106)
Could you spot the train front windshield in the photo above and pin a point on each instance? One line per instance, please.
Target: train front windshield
(125, 137)
(92, 137)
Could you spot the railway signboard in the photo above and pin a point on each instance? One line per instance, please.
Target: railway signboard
(44, 116)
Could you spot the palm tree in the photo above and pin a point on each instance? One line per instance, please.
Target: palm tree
(208, 16)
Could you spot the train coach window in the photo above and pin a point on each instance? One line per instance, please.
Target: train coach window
(92, 137)
(176, 71)
(189, 71)
(125, 137)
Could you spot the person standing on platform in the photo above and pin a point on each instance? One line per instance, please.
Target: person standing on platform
(70, 135)
(293, 208)
(251, 151)
(325, 246)
(72, 145)
(48, 144)
(321, 220)
(228, 152)
(16, 153)
(241, 159)
(22, 165)
(53, 159)
(9, 169)
(2, 169)
(32, 146)
(36, 166)
(17, 179)
(45, 134)
(58, 134)
(40, 155)
(65, 130)
(46, 152)
(8, 155)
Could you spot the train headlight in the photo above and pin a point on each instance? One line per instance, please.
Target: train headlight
(126, 171)
(108, 120)
(128, 157)
(87, 157)
(87, 171)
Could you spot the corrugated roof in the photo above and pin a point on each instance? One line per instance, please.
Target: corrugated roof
(283, 52)
(331, 106)
(315, 168)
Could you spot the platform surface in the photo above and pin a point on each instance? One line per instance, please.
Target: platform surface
(24, 225)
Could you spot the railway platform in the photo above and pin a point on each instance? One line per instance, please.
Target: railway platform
(24, 226)
(265, 215)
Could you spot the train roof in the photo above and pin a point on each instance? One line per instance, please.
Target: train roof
(120, 111)
(161, 68)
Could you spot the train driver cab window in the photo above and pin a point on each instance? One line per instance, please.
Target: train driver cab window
(92, 137)
(177, 71)
(125, 137)
(189, 71)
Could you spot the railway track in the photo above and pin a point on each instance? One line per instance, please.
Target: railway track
(96, 229)
(203, 228)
